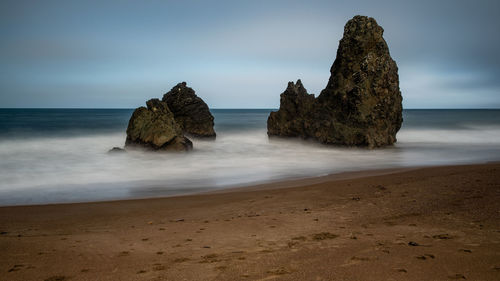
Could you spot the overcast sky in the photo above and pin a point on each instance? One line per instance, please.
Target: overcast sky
(237, 54)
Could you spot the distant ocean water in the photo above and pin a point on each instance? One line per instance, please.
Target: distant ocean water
(60, 155)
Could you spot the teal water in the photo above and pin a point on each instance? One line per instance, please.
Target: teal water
(60, 155)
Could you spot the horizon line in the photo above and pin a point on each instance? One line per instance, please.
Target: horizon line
(260, 108)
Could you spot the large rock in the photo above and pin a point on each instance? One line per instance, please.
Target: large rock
(190, 111)
(361, 104)
(155, 128)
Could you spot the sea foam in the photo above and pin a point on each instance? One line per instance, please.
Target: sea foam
(76, 168)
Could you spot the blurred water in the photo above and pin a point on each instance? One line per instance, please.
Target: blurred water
(60, 155)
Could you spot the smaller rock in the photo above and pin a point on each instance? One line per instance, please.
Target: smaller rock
(291, 119)
(117, 150)
(153, 127)
(411, 243)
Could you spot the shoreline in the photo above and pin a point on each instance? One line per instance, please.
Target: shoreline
(287, 182)
(419, 223)
(255, 186)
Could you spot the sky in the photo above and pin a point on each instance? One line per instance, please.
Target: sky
(237, 54)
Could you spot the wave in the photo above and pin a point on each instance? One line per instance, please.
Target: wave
(78, 168)
(467, 134)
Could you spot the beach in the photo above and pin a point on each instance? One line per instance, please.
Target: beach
(423, 223)
(240, 140)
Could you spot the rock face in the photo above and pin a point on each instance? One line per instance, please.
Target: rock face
(295, 107)
(190, 112)
(361, 104)
(155, 128)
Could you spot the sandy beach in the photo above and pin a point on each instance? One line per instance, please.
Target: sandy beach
(435, 223)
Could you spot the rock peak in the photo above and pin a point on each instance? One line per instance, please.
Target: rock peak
(296, 88)
(362, 27)
(182, 87)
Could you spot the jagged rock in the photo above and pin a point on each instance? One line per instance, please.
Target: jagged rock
(295, 106)
(154, 128)
(190, 111)
(361, 104)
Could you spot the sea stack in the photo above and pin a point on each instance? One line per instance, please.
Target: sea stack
(154, 127)
(190, 112)
(162, 125)
(361, 104)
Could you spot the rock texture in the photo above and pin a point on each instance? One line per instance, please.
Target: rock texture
(154, 127)
(361, 104)
(295, 107)
(190, 112)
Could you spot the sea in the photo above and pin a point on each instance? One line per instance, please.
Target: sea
(61, 155)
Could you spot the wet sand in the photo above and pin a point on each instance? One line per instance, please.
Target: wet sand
(437, 223)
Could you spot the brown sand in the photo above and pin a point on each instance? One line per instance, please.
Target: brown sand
(440, 223)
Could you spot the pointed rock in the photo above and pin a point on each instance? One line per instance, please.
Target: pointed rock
(361, 104)
(295, 105)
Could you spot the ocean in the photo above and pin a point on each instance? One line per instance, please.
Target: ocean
(60, 155)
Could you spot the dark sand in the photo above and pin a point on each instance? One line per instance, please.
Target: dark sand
(439, 223)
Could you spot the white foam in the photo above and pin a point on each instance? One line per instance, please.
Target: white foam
(469, 134)
(45, 170)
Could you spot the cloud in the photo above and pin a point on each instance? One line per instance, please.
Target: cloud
(238, 53)
(427, 86)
